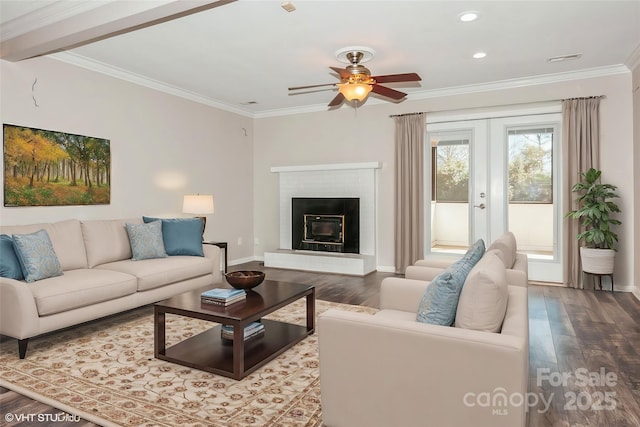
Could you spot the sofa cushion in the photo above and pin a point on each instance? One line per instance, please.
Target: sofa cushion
(483, 300)
(440, 300)
(507, 247)
(181, 236)
(107, 240)
(65, 236)
(9, 263)
(37, 257)
(80, 288)
(153, 273)
(146, 240)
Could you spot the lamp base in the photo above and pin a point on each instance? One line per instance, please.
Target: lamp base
(204, 225)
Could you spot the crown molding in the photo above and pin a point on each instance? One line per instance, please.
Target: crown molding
(633, 61)
(119, 73)
(522, 82)
(100, 67)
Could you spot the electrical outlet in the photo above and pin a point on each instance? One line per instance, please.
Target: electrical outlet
(239, 241)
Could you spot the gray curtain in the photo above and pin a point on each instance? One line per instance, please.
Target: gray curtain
(409, 190)
(581, 151)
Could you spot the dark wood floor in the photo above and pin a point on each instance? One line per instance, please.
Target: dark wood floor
(591, 336)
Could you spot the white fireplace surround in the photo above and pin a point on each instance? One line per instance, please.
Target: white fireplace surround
(340, 180)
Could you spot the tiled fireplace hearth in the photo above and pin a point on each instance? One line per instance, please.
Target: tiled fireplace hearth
(316, 244)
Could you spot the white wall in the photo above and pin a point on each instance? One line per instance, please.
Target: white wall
(344, 135)
(162, 147)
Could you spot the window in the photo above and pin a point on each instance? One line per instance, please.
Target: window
(530, 165)
(450, 170)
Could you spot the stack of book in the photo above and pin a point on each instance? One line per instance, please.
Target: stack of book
(252, 330)
(223, 297)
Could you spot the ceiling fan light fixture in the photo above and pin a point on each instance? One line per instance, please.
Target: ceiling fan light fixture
(354, 91)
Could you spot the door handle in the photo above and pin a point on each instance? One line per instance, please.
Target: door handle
(481, 206)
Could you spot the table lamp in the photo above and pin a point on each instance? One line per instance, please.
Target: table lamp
(199, 205)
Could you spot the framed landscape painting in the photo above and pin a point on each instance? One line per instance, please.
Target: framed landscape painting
(49, 168)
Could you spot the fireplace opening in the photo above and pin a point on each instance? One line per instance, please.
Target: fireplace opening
(323, 228)
(326, 224)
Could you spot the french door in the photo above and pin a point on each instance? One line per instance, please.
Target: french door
(488, 176)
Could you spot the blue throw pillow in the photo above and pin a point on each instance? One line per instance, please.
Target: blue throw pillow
(9, 262)
(440, 301)
(146, 240)
(37, 257)
(181, 236)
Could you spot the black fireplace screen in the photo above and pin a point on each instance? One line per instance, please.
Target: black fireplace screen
(325, 224)
(323, 228)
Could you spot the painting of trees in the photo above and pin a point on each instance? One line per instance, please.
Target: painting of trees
(48, 168)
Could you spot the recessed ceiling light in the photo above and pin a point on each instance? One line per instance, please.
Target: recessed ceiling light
(479, 55)
(468, 16)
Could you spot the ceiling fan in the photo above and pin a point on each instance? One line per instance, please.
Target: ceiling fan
(356, 81)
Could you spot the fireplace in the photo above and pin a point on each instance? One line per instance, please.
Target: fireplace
(325, 224)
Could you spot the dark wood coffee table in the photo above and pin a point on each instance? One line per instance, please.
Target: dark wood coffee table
(207, 351)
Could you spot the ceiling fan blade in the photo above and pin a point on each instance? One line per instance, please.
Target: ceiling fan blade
(344, 74)
(311, 86)
(395, 78)
(388, 92)
(337, 100)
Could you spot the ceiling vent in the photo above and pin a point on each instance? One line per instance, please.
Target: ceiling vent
(564, 57)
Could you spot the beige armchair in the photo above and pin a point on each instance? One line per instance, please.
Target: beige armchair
(388, 369)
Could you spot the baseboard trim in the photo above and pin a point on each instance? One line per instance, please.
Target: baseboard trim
(244, 260)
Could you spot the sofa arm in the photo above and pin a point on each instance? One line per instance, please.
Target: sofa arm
(436, 262)
(18, 312)
(420, 272)
(381, 372)
(213, 252)
(517, 278)
(401, 294)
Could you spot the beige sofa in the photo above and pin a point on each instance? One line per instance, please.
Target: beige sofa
(506, 247)
(99, 278)
(388, 369)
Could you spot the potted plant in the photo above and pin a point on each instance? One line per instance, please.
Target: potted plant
(594, 209)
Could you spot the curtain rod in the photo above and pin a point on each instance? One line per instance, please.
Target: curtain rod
(585, 97)
(501, 105)
(408, 114)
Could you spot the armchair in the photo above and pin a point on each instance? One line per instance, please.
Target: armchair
(389, 370)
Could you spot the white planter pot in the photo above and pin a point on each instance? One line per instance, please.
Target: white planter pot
(597, 261)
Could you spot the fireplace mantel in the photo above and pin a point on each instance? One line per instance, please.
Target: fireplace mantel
(329, 167)
(337, 180)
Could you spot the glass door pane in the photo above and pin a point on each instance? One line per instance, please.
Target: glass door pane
(531, 171)
(450, 157)
(530, 180)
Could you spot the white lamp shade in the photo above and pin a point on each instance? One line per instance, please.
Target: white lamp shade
(197, 204)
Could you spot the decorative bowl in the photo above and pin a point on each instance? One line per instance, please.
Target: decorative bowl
(244, 279)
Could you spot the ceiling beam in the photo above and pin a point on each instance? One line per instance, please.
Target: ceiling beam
(88, 26)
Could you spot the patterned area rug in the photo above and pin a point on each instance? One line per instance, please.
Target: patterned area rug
(105, 372)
